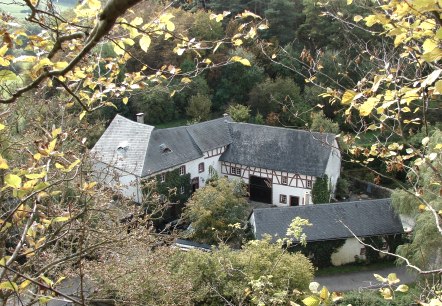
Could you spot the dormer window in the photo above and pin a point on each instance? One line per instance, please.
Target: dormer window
(164, 148)
(122, 148)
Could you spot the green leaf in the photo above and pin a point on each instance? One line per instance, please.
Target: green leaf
(9, 286)
(13, 181)
(311, 301)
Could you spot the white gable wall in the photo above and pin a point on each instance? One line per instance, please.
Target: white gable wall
(333, 168)
(348, 252)
(127, 184)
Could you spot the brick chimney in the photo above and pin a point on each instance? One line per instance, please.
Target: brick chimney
(140, 117)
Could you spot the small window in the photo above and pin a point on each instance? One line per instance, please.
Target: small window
(201, 167)
(238, 171)
(309, 184)
(162, 177)
(181, 189)
(182, 170)
(284, 180)
(362, 253)
(282, 198)
(235, 171)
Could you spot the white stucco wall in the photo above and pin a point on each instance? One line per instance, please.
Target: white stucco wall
(346, 254)
(333, 168)
(125, 183)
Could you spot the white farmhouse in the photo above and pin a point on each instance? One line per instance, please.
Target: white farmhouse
(279, 165)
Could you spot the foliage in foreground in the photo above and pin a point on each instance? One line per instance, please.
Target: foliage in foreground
(261, 272)
(217, 212)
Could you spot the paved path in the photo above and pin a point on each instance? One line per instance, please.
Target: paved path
(362, 279)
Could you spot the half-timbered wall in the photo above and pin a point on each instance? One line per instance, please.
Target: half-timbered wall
(283, 183)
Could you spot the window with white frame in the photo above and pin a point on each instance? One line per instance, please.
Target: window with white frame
(308, 184)
(235, 171)
(201, 167)
(282, 198)
(162, 177)
(183, 170)
(181, 189)
(284, 180)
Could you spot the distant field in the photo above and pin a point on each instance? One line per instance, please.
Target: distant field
(20, 11)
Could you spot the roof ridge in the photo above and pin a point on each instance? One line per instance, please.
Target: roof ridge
(134, 122)
(320, 205)
(282, 128)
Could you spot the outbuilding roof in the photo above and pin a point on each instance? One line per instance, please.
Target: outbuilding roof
(282, 149)
(329, 221)
(124, 145)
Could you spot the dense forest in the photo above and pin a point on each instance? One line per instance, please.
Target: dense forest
(367, 71)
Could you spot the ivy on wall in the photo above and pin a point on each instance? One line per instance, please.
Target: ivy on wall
(320, 252)
(320, 191)
(172, 185)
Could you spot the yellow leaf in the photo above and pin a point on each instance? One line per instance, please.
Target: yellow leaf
(125, 100)
(118, 48)
(60, 219)
(3, 163)
(241, 60)
(24, 58)
(56, 132)
(186, 80)
(386, 293)
(170, 26)
(348, 96)
(13, 181)
(137, 21)
(438, 87)
(9, 286)
(357, 18)
(349, 2)
(24, 284)
(94, 4)
(60, 65)
(2, 126)
(34, 176)
(3, 50)
(366, 108)
(83, 113)
(311, 301)
(392, 278)
(145, 42)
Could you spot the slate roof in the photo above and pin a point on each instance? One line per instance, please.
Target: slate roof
(178, 141)
(364, 218)
(131, 137)
(211, 134)
(282, 149)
